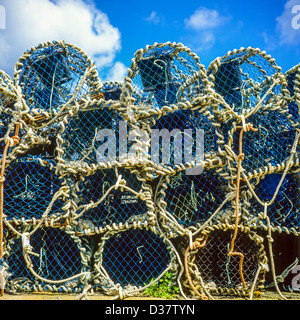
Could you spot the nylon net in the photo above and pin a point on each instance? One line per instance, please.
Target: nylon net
(112, 205)
(29, 189)
(243, 77)
(133, 258)
(113, 187)
(52, 75)
(162, 75)
(190, 200)
(56, 256)
(220, 272)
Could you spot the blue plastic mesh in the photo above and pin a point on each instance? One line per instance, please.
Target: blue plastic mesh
(135, 257)
(119, 206)
(59, 258)
(243, 78)
(50, 74)
(29, 188)
(271, 145)
(218, 269)
(159, 72)
(192, 199)
(284, 213)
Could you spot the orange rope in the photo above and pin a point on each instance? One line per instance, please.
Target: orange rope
(241, 156)
(195, 245)
(16, 140)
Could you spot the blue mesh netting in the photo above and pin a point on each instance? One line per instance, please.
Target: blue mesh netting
(58, 258)
(192, 199)
(284, 212)
(135, 257)
(118, 206)
(50, 75)
(220, 271)
(184, 137)
(159, 76)
(81, 140)
(243, 78)
(29, 189)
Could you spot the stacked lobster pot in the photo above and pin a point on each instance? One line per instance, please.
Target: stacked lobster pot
(42, 251)
(177, 172)
(72, 182)
(170, 98)
(258, 110)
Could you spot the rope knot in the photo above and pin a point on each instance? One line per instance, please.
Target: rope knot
(249, 126)
(195, 245)
(16, 140)
(241, 156)
(2, 179)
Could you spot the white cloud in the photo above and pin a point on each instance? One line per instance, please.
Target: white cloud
(208, 40)
(288, 34)
(204, 22)
(29, 22)
(154, 18)
(117, 72)
(203, 19)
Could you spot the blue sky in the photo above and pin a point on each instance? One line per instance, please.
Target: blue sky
(241, 24)
(111, 31)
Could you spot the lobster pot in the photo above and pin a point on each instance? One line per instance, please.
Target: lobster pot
(220, 273)
(131, 259)
(188, 201)
(161, 75)
(53, 73)
(266, 150)
(57, 262)
(242, 77)
(284, 212)
(95, 135)
(29, 188)
(184, 139)
(292, 77)
(109, 199)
